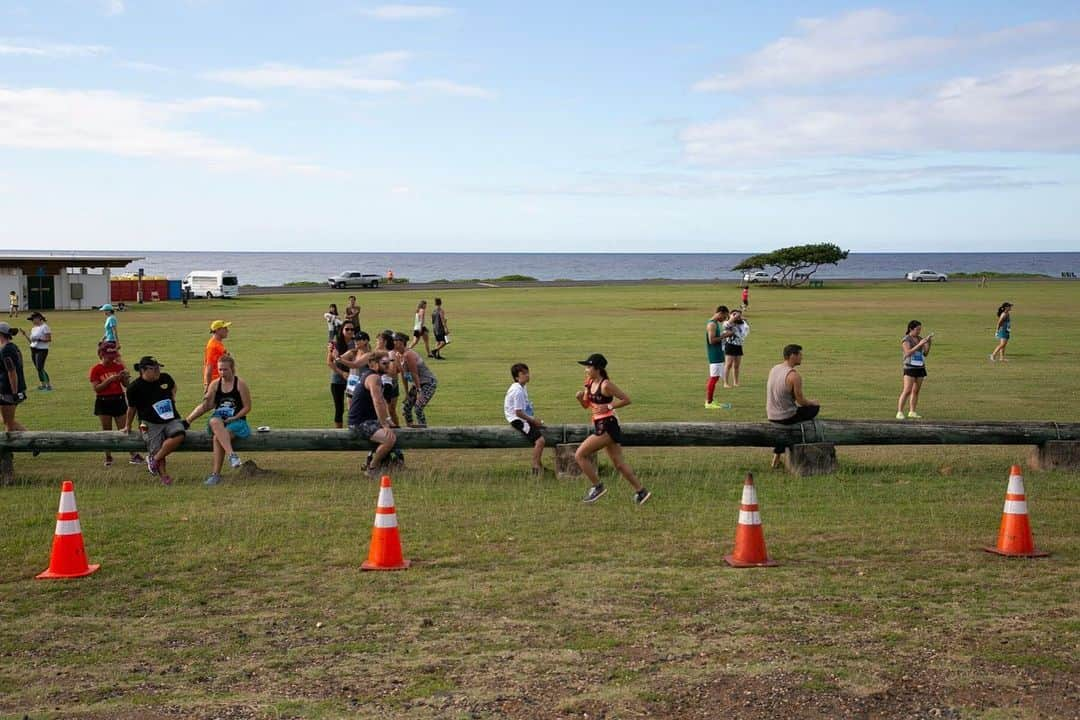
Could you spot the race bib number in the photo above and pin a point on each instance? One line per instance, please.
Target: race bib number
(917, 359)
(164, 409)
(351, 384)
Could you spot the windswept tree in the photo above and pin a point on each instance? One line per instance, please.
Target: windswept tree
(795, 265)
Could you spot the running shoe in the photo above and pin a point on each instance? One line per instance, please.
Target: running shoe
(108, 462)
(900, 415)
(234, 460)
(914, 415)
(595, 493)
(712, 405)
(136, 459)
(641, 496)
(152, 466)
(992, 358)
(212, 479)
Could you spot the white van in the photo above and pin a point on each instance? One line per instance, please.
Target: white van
(212, 283)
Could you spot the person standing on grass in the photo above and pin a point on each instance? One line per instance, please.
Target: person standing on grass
(110, 334)
(110, 379)
(153, 396)
(714, 349)
(519, 412)
(13, 302)
(784, 400)
(745, 297)
(228, 399)
(442, 330)
(40, 340)
(215, 348)
(333, 322)
(733, 347)
(1002, 332)
(12, 382)
(420, 328)
(420, 382)
(601, 398)
(389, 374)
(915, 348)
(352, 313)
(339, 377)
(369, 415)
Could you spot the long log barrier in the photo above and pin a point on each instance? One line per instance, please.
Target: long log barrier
(1058, 444)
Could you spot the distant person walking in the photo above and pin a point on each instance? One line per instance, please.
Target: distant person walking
(745, 297)
(714, 350)
(110, 334)
(40, 340)
(420, 328)
(13, 302)
(1003, 332)
(519, 412)
(228, 399)
(153, 396)
(12, 382)
(915, 348)
(110, 379)
(215, 348)
(784, 400)
(442, 330)
(733, 347)
(601, 398)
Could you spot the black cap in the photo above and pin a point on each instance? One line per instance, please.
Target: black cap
(34, 315)
(147, 361)
(595, 360)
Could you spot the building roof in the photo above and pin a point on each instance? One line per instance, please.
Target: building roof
(53, 262)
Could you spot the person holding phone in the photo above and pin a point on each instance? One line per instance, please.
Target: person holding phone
(914, 348)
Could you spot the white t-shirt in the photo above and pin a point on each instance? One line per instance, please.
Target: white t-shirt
(37, 335)
(517, 398)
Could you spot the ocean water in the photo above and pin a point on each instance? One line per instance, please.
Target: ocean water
(279, 268)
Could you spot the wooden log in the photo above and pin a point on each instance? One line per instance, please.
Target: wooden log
(806, 459)
(837, 432)
(1056, 455)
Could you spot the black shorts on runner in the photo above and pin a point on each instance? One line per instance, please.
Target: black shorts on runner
(534, 433)
(112, 405)
(915, 372)
(733, 350)
(608, 426)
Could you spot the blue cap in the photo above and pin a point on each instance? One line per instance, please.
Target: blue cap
(107, 307)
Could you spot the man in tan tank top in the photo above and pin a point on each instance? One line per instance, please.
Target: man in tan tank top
(784, 400)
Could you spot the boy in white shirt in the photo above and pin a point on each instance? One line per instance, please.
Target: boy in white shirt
(518, 410)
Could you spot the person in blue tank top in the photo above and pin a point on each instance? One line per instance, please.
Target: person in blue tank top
(1002, 332)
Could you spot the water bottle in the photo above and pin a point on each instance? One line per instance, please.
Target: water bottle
(726, 406)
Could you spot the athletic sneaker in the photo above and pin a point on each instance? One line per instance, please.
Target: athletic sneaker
(108, 462)
(712, 405)
(900, 415)
(136, 459)
(595, 493)
(234, 460)
(152, 465)
(914, 415)
(641, 496)
(212, 479)
(992, 358)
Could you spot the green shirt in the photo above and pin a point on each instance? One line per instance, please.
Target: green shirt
(715, 351)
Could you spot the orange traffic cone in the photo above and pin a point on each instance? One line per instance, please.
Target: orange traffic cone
(1014, 535)
(68, 558)
(749, 539)
(385, 552)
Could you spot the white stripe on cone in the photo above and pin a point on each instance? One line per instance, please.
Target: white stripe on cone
(749, 495)
(68, 527)
(749, 518)
(1016, 485)
(67, 502)
(386, 497)
(386, 521)
(1016, 507)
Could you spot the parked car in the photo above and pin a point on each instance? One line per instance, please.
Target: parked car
(758, 276)
(926, 276)
(354, 279)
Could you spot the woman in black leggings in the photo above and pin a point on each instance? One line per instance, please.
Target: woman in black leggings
(342, 343)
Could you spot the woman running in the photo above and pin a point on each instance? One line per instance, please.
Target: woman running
(1002, 332)
(915, 348)
(601, 397)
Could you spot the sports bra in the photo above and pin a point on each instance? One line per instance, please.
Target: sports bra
(597, 399)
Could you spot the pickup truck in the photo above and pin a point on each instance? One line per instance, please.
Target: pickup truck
(354, 279)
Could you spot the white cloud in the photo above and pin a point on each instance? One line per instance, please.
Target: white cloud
(407, 12)
(446, 87)
(114, 7)
(49, 50)
(126, 125)
(1028, 110)
(860, 43)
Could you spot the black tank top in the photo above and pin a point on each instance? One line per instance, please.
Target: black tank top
(362, 407)
(598, 398)
(230, 398)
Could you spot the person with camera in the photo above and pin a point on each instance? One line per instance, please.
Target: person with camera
(228, 399)
(12, 382)
(914, 348)
(110, 379)
(733, 347)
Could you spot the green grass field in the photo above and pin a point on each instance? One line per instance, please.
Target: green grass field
(246, 600)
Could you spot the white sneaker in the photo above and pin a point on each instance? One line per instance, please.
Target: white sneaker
(234, 460)
(900, 416)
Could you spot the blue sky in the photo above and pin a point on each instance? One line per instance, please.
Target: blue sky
(531, 127)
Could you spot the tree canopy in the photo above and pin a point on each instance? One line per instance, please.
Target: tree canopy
(794, 265)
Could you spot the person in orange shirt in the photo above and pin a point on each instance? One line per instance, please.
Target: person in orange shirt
(215, 348)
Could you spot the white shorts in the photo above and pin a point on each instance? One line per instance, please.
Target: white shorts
(716, 369)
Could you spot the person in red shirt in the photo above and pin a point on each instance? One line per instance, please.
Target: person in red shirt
(215, 348)
(109, 378)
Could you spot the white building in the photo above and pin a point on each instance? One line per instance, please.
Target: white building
(54, 281)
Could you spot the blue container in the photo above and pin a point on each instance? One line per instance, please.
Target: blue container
(175, 292)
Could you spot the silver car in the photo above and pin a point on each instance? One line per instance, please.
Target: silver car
(926, 276)
(353, 279)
